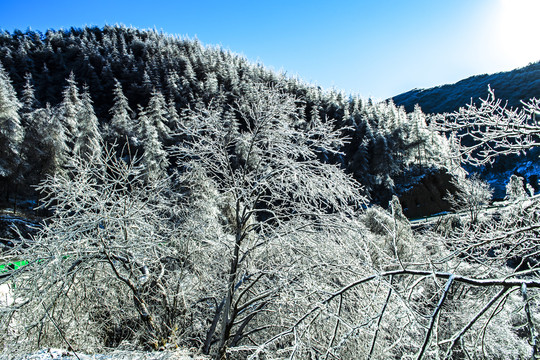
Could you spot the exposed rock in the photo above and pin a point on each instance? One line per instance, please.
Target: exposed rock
(426, 197)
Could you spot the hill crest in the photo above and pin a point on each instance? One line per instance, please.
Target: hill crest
(512, 86)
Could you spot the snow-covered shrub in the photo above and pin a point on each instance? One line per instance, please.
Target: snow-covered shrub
(472, 195)
(106, 268)
(392, 238)
(515, 189)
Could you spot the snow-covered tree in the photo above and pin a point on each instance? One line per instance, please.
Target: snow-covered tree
(28, 98)
(121, 123)
(11, 130)
(88, 142)
(154, 157)
(515, 189)
(108, 265)
(70, 108)
(271, 188)
(360, 161)
(472, 195)
(173, 118)
(55, 143)
(492, 129)
(418, 135)
(156, 111)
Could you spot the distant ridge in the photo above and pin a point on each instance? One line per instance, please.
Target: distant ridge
(515, 85)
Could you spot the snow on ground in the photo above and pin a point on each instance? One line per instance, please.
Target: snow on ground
(5, 295)
(59, 354)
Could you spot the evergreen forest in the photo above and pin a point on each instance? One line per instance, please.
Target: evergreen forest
(121, 76)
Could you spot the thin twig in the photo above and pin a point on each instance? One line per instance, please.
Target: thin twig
(434, 316)
(379, 322)
(335, 328)
(530, 323)
(459, 335)
(61, 333)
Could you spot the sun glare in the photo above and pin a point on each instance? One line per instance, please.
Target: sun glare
(519, 32)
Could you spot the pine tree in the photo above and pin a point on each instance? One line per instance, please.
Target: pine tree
(157, 112)
(89, 140)
(172, 84)
(11, 130)
(70, 108)
(32, 145)
(146, 85)
(32, 136)
(154, 158)
(121, 122)
(315, 117)
(45, 85)
(515, 189)
(53, 145)
(211, 85)
(359, 163)
(28, 98)
(173, 118)
(346, 119)
(383, 162)
(418, 135)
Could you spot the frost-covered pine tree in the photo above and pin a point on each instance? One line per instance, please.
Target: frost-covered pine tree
(154, 157)
(121, 122)
(173, 118)
(28, 98)
(55, 142)
(359, 162)
(70, 108)
(89, 140)
(173, 84)
(418, 135)
(383, 164)
(11, 130)
(515, 189)
(33, 135)
(156, 111)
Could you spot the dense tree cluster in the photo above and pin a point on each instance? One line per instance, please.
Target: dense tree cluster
(69, 87)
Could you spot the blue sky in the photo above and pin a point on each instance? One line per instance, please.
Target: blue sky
(375, 48)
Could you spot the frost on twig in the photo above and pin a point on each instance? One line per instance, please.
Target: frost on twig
(492, 129)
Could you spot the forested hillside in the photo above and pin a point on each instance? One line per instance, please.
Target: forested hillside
(512, 86)
(188, 199)
(122, 76)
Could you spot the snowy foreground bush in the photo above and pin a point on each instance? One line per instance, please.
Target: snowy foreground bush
(256, 248)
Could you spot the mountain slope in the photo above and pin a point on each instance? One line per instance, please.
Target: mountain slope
(515, 85)
(121, 76)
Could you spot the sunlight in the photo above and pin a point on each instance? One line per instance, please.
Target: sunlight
(519, 33)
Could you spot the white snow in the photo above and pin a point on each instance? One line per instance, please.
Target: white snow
(5, 295)
(60, 354)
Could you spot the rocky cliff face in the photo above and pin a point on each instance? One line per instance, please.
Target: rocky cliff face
(426, 197)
